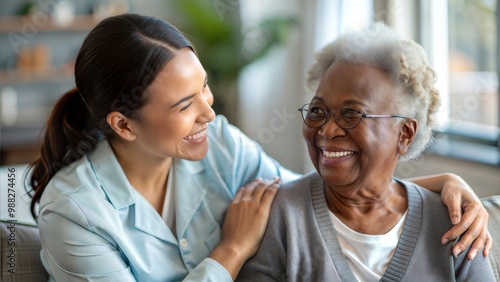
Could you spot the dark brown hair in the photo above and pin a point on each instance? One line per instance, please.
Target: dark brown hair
(117, 61)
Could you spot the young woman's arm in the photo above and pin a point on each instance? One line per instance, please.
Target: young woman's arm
(466, 212)
(245, 224)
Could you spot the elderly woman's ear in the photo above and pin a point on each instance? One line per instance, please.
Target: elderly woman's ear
(407, 132)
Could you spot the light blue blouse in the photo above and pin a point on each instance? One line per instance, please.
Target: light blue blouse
(95, 227)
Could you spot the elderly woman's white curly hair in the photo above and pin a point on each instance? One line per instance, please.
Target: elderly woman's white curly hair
(404, 60)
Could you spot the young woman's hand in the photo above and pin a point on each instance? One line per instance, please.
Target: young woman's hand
(245, 223)
(459, 197)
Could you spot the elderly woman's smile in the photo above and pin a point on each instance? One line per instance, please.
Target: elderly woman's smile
(335, 154)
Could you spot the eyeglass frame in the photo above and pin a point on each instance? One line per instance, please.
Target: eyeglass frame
(333, 112)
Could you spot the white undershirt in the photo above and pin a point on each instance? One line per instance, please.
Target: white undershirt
(168, 212)
(368, 256)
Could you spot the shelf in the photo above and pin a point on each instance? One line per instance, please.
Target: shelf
(54, 75)
(21, 135)
(30, 24)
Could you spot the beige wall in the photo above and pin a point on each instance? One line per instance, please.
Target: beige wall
(484, 179)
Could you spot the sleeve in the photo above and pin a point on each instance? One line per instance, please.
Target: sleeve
(246, 158)
(208, 270)
(72, 252)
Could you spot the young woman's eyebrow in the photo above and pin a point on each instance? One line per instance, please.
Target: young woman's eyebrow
(182, 100)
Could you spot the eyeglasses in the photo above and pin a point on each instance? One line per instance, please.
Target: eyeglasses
(346, 118)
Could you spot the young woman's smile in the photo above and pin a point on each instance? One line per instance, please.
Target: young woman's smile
(198, 137)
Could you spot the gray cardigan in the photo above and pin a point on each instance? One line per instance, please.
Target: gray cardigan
(300, 243)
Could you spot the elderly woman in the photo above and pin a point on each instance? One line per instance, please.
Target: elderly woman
(351, 220)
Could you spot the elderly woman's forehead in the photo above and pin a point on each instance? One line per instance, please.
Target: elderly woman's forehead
(356, 74)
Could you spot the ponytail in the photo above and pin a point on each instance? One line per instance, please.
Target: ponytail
(70, 134)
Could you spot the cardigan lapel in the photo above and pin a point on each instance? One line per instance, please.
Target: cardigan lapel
(406, 245)
(322, 214)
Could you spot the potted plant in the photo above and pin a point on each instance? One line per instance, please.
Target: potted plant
(223, 47)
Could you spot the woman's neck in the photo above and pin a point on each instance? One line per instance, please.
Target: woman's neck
(368, 209)
(146, 174)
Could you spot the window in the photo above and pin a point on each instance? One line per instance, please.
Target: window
(462, 43)
(473, 61)
(467, 68)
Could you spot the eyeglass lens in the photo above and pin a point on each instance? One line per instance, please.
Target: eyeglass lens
(316, 117)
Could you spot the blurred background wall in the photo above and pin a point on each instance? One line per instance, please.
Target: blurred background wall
(256, 53)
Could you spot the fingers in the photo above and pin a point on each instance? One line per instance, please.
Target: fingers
(454, 204)
(489, 245)
(473, 226)
(247, 216)
(258, 190)
(246, 191)
(473, 213)
(471, 236)
(269, 195)
(478, 244)
(458, 229)
(266, 190)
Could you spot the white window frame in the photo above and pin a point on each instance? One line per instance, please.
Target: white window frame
(433, 36)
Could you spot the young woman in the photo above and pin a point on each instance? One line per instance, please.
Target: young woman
(139, 180)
